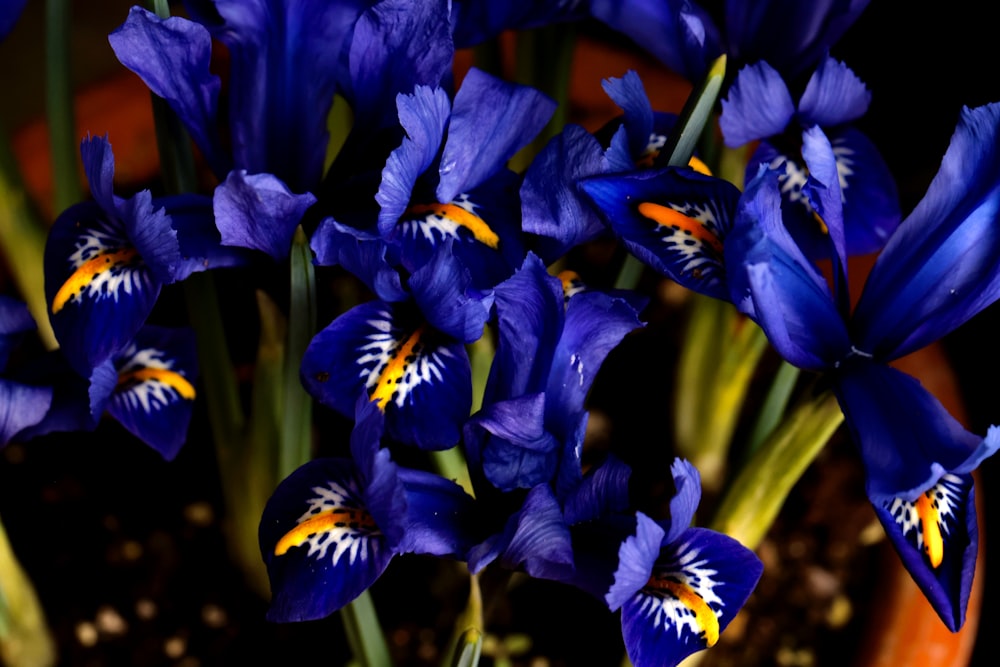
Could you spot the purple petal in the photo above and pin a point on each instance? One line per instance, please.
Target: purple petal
(834, 95)
(758, 106)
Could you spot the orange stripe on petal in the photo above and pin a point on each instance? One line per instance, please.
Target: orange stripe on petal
(322, 523)
(172, 379)
(668, 217)
(86, 273)
(931, 528)
(703, 614)
(480, 230)
(395, 369)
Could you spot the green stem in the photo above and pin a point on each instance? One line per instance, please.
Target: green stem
(466, 645)
(755, 496)
(774, 405)
(22, 242)
(59, 105)
(25, 640)
(364, 634)
(296, 425)
(713, 377)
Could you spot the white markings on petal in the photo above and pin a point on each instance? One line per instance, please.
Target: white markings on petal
(104, 266)
(147, 380)
(927, 522)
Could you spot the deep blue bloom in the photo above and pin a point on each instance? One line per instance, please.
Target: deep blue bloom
(552, 344)
(408, 356)
(939, 268)
(678, 586)
(760, 107)
(333, 525)
(106, 260)
(552, 206)
(22, 405)
(790, 35)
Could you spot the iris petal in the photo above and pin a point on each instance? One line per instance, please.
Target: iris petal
(834, 95)
(937, 538)
(696, 587)
(758, 106)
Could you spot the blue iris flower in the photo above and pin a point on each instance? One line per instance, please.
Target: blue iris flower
(107, 259)
(759, 107)
(331, 527)
(938, 269)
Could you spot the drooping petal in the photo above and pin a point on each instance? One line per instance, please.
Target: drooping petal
(942, 266)
(491, 120)
(696, 587)
(98, 287)
(674, 220)
(418, 376)
(834, 95)
(319, 541)
(199, 240)
(551, 205)
(636, 556)
(440, 518)
(775, 284)
(937, 539)
(259, 211)
(758, 105)
(906, 438)
(363, 254)
(154, 394)
(172, 57)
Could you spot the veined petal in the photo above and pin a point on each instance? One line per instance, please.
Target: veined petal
(319, 541)
(679, 34)
(520, 453)
(284, 60)
(790, 35)
(99, 166)
(364, 255)
(418, 376)
(942, 265)
(259, 211)
(155, 392)
(530, 316)
(636, 557)
(442, 291)
(696, 587)
(758, 106)
(551, 205)
(603, 491)
(674, 220)
(200, 243)
(687, 485)
(172, 58)
(540, 540)
(396, 45)
(834, 95)
(491, 120)
(906, 437)
(774, 283)
(21, 407)
(440, 518)
(424, 115)
(629, 94)
(595, 324)
(98, 287)
(937, 539)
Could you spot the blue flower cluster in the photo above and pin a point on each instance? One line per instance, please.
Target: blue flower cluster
(421, 206)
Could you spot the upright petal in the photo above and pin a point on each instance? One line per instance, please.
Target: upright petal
(491, 120)
(758, 106)
(834, 95)
(942, 266)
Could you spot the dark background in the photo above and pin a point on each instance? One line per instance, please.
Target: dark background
(922, 64)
